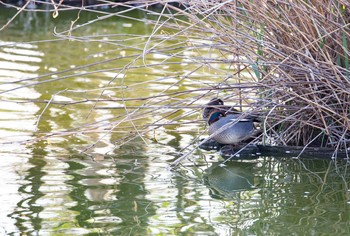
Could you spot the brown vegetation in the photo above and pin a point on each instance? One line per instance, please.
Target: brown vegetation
(285, 60)
(299, 51)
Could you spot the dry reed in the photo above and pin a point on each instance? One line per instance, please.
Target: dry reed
(287, 61)
(299, 51)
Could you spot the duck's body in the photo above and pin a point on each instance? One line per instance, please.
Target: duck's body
(227, 125)
(231, 129)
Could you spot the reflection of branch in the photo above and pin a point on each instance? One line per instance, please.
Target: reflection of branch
(47, 105)
(20, 10)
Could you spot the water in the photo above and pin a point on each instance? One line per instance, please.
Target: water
(49, 188)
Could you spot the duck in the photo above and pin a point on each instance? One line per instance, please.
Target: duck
(229, 126)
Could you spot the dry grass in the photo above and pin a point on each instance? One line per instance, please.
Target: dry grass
(285, 60)
(299, 51)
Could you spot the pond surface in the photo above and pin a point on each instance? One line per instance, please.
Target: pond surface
(98, 182)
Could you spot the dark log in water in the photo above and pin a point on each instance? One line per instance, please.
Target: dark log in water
(304, 152)
(245, 151)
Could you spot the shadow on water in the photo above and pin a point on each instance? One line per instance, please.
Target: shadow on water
(119, 207)
(135, 195)
(28, 211)
(81, 196)
(282, 195)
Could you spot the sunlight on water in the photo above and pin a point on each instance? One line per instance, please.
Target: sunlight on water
(18, 58)
(18, 120)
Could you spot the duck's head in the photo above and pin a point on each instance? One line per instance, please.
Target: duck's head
(215, 116)
(215, 102)
(210, 106)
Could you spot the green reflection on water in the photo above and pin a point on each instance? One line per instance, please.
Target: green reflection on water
(131, 192)
(132, 196)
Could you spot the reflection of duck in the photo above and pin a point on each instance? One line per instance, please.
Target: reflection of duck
(227, 180)
(227, 125)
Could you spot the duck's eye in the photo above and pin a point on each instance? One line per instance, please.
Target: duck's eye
(220, 102)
